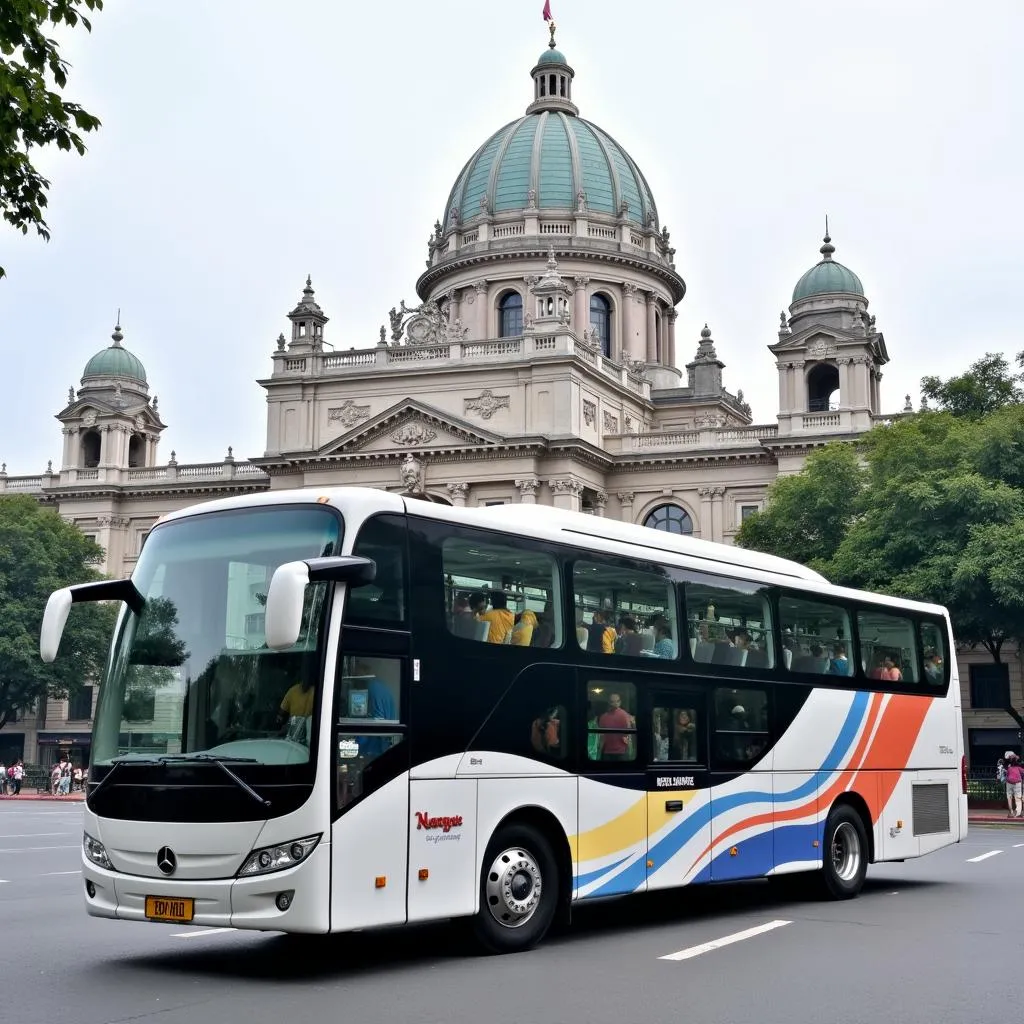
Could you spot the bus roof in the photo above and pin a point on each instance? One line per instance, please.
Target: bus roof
(553, 524)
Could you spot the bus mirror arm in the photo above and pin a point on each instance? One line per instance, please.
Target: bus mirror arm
(283, 609)
(59, 603)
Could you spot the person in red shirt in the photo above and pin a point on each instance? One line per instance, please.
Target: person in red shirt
(615, 746)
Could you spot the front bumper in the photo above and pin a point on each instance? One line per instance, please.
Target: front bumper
(223, 902)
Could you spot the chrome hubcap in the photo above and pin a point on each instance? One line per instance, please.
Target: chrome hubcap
(846, 853)
(513, 887)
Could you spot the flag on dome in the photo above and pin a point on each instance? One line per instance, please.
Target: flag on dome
(547, 10)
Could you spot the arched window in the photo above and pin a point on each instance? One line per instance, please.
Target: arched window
(136, 451)
(823, 388)
(510, 315)
(90, 449)
(671, 519)
(601, 321)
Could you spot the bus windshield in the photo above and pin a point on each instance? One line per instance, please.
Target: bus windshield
(192, 673)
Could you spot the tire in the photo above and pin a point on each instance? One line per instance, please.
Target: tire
(518, 890)
(845, 854)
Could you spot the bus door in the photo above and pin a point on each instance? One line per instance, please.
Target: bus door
(370, 783)
(612, 839)
(678, 798)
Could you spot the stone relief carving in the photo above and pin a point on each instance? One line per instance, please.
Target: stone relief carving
(531, 199)
(140, 422)
(626, 497)
(600, 501)
(821, 349)
(487, 403)
(627, 426)
(457, 491)
(528, 486)
(637, 367)
(413, 433)
(348, 414)
(581, 281)
(566, 487)
(706, 420)
(611, 423)
(412, 475)
(89, 418)
(589, 412)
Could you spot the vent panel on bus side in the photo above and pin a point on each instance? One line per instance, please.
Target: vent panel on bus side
(930, 808)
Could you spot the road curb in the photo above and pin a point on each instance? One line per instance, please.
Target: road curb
(71, 799)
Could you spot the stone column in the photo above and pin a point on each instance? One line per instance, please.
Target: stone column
(652, 329)
(482, 312)
(528, 490)
(600, 503)
(622, 349)
(626, 499)
(706, 530)
(580, 319)
(457, 492)
(671, 315)
(717, 514)
(454, 305)
(843, 362)
(567, 493)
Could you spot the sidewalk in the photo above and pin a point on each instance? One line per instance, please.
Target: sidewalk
(70, 798)
(993, 817)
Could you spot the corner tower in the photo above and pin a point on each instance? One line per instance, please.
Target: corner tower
(111, 423)
(829, 353)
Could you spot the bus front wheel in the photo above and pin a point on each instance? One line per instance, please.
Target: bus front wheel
(518, 890)
(845, 860)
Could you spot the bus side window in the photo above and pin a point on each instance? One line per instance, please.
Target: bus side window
(382, 603)
(741, 731)
(934, 651)
(499, 594)
(611, 721)
(888, 647)
(728, 622)
(624, 611)
(815, 637)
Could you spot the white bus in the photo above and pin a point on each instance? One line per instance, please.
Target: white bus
(342, 710)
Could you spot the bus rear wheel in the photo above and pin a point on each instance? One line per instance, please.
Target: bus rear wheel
(845, 854)
(518, 890)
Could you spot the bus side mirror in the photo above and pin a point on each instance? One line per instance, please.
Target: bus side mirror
(285, 596)
(54, 619)
(59, 603)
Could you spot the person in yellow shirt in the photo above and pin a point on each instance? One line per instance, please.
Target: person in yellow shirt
(500, 618)
(522, 634)
(296, 711)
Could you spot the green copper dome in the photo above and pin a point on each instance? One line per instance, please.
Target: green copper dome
(556, 155)
(827, 276)
(551, 160)
(115, 361)
(552, 57)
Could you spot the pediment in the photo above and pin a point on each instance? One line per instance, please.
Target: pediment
(820, 341)
(410, 426)
(95, 409)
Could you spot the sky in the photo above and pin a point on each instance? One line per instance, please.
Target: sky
(246, 143)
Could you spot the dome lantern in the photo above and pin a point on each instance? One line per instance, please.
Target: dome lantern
(552, 81)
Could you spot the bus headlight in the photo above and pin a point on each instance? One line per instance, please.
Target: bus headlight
(96, 851)
(276, 858)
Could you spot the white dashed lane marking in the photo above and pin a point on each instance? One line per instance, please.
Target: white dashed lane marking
(200, 932)
(983, 856)
(727, 940)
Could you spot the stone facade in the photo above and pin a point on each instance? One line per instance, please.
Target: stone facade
(540, 366)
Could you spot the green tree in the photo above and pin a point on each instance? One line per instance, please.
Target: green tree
(807, 514)
(986, 386)
(40, 553)
(33, 113)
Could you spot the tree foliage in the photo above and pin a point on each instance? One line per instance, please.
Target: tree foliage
(40, 553)
(33, 112)
(936, 513)
(986, 386)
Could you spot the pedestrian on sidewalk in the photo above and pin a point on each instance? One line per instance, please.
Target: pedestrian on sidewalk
(1014, 785)
(17, 773)
(3, 779)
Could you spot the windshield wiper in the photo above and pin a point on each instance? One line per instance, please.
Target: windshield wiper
(221, 763)
(115, 766)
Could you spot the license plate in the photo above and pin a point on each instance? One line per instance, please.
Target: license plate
(163, 908)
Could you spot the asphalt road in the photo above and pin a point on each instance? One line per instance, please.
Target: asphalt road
(939, 939)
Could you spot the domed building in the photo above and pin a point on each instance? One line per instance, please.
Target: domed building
(539, 363)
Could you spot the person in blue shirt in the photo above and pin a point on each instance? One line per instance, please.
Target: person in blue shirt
(839, 665)
(380, 705)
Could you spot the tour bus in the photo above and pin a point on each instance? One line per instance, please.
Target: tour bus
(348, 709)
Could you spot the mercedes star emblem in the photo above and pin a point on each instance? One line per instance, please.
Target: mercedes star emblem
(166, 861)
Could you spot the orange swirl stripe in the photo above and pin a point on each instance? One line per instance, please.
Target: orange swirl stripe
(838, 786)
